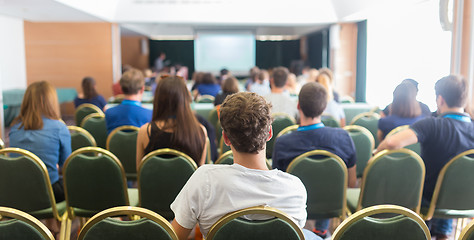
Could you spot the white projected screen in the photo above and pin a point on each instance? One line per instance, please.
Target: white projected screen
(233, 51)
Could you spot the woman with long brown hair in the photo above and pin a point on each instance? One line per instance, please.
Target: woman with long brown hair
(89, 94)
(39, 129)
(173, 124)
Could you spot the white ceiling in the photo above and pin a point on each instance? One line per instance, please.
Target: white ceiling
(173, 18)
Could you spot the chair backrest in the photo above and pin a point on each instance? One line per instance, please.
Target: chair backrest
(93, 183)
(453, 190)
(206, 99)
(23, 177)
(414, 147)
(80, 138)
(370, 121)
(280, 122)
(322, 172)
(122, 142)
(234, 226)
(161, 175)
(393, 177)
(85, 109)
(330, 121)
(213, 118)
(22, 226)
(95, 124)
(364, 144)
(391, 223)
(467, 232)
(287, 130)
(149, 226)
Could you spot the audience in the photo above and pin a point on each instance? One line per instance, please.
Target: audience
(333, 108)
(40, 130)
(280, 99)
(404, 110)
(229, 86)
(173, 124)
(313, 135)
(253, 74)
(292, 86)
(129, 111)
(89, 94)
(441, 139)
(425, 110)
(215, 190)
(207, 86)
(261, 86)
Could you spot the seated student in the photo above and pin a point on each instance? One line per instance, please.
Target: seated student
(215, 190)
(313, 135)
(129, 111)
(333, 108)
(207, 86)
(89, 94)
(39, 129)
(261, 86)
(441, 139)
(173, 124)
(281, 100)
(425, 110)
(229, 87)
(404, 110)
(253, 74)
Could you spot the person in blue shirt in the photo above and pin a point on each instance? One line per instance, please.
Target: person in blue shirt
(207, 86)
(39, 129)
(313, 135)
(130, 110)
(404, 110)
(89, 94)
(441, 138)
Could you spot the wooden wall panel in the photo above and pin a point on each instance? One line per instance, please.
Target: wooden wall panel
(132, 52)
(64, 53)
(344, 60)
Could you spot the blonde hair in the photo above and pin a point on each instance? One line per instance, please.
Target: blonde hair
(326, 81)
(40, 100)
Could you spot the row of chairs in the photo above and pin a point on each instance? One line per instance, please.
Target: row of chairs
(125, 222)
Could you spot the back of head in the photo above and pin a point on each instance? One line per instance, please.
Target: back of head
(230, 85)
(172, 106)
(326, 81)
(88, 88)
(40, 100)
(404, 101)
(263, 75)
(208, 78)
(411, 81)
(327, 72)
(312, 99)
(280, 75)
(246, 119)
(224, 71)
(453, 89)
(312, 75)
(132, 81)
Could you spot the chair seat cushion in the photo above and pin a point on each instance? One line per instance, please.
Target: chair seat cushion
(352, 196)
(449, 213)
(48, 212)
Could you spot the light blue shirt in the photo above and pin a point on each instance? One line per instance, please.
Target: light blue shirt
(52, 144)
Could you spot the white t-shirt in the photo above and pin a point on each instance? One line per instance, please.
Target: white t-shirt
(215, 190)
(282, 102)
(334, 109)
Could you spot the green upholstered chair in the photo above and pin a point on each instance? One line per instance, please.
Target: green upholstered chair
(23, 177)
(80, 138)
(95, 183)
(16, 224)
(205, 99)
(364, 144)
(228, 158)
(223, 148)
(388, 222)
(280, 122)
(286, 130)
(85, 109)
(467, 232)
(161, 175)
(95, 124)
(213, 118)
(233, 226)
(122, 142)
(322, 172)
(453, 195)
(330, 121)
(414, 147)
(370, 121)
(149, 225)
(391, 177)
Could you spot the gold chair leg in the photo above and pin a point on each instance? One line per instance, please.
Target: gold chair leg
(65, 232)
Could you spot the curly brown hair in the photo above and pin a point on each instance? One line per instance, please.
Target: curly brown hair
(246, 119)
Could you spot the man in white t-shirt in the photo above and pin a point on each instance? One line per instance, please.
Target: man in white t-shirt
(279, 97)
(215, 190)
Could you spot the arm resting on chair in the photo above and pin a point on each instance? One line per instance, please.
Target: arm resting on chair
(398, 140)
